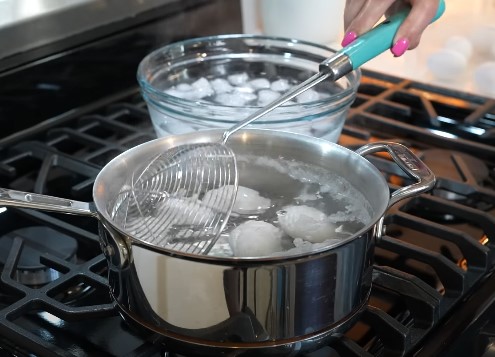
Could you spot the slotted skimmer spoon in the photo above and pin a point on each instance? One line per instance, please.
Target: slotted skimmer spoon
(167, 203)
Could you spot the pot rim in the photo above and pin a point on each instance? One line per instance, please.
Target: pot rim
(205, 136)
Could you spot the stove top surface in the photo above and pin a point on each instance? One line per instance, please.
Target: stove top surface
(437, 251)
(433, 287)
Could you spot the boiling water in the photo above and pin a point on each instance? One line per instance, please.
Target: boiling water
(295, 191)
(283, 207)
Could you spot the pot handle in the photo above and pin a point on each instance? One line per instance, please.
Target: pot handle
(409, 163)
(37, 201)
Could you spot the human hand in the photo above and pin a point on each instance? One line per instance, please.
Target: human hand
(361, 15)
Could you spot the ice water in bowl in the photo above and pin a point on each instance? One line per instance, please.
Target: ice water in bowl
(214, 82)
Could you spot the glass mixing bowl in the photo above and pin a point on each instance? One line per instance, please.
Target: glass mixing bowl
(213, 82)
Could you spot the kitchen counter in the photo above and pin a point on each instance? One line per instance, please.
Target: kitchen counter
(462, 18)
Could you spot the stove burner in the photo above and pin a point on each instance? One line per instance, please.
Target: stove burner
(457, 168)
(37, 241)
(442, 162)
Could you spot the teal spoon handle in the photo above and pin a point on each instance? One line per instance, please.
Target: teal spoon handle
(379, 39)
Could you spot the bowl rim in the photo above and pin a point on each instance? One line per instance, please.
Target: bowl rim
(149, 91)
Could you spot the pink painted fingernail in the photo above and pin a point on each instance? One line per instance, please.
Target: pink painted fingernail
(348, 38)
(400, 47)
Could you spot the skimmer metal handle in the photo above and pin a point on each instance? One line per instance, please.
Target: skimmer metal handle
(22, 199)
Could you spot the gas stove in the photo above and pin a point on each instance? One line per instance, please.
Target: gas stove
(65, 117)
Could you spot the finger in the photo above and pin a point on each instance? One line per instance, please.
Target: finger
(420, 16)
(371, 11)
(352, 8)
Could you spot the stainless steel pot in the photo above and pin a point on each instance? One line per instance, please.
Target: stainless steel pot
(208, 305)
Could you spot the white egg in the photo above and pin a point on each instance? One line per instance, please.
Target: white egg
(255, 239)
(306, 223)
(183, 211)
(446, 64)
(484, 77)
(460, 44)
(482, 38)
(248, 201)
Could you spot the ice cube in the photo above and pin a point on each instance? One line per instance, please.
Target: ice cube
(202, 88)
(221, 85)
(167, 125)
(180, 94)
(266, 96)
(308, 96)
(230, 99)
(244, 89)
(238, 79)
(260, 83)
(306, 222)
(184, 87)
(255, 239)
(246, 93)
(280, 85)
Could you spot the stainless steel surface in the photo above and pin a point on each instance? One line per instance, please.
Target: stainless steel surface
(338, 66)
(211, 305)
(27, 24)
(37, 201)
(161, 204)
(409, 163)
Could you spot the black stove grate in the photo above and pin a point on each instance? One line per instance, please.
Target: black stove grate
(438, 249)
